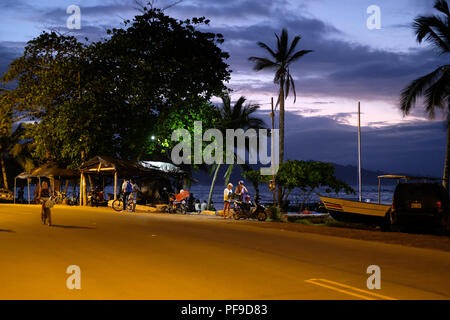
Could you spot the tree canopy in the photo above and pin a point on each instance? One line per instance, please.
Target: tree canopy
(308, 176)
(108, 97)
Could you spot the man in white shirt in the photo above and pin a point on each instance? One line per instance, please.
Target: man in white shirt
(227, 201)
(125, 194)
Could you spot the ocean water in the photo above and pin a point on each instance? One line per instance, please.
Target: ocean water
(369, 194)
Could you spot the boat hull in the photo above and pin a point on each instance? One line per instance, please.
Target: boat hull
(355, 211)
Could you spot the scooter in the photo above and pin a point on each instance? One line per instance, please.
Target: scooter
(176, 206)
(96, 198)
(246, 210)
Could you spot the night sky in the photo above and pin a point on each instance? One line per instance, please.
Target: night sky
(350, 63)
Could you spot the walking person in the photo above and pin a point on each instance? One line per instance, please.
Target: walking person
(134, 191)
(44, 195)
(227, 201)
(126, 190)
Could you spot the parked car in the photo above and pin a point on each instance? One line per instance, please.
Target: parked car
(6, 195)
(423, 205)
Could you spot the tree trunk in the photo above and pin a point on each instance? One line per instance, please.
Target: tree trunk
(281, 127)
(213, 183)
(445, 179)
(5, 178)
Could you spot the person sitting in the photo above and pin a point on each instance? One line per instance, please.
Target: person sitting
(197, 206)
(204, 205)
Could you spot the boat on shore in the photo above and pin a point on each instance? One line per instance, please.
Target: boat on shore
(354, 211)
(357, 211)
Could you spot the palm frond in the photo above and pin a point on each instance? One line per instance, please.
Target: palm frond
(287, 85)
(298, 55)
(433, 30)
(416, 89)
(228, 173)
(283, 49)
(442, 6)
(437, 94)
(265, 46)
(291, 80)
(263, 63)
(293, 45)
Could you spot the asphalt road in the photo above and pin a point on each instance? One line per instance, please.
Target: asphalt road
(159, 256)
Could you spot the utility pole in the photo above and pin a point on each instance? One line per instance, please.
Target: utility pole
(359, 152)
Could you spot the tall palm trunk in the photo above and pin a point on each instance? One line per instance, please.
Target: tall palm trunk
(445, 179)
(213, 183)
(281, 146)
(5, 178)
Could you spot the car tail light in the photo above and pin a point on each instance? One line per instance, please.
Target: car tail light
(439, 206)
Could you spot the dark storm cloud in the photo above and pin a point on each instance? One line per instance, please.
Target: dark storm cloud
(336, 67)
(414, 148)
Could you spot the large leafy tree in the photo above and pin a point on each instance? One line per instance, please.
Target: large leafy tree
(281, 58)
(308, 176)
(107, 97)
(435, 86)
(160, 61)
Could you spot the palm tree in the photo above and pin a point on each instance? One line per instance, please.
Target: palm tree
(434, 87)
(239, 116)
(12, 146)
(282, 58)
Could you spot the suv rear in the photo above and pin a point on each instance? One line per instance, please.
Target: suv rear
(420, 204)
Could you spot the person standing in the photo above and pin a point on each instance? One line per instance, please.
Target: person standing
(227, 201)
(134, 191)
(241, 191)
(126, 190)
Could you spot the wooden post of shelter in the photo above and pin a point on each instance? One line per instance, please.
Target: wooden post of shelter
(84, 191)
(115, 184)
(81, 189)
(28, 181)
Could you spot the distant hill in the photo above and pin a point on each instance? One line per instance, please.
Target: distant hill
(348, 174)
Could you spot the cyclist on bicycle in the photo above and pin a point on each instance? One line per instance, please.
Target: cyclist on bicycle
(44, 195)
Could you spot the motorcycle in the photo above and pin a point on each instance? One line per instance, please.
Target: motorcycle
(96, 198)
(246, 210)
(177, 202)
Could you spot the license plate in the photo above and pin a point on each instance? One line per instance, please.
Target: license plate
(416, 205)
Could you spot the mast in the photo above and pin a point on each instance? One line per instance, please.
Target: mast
(359, 151)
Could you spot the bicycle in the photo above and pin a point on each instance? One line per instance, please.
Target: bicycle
(46, 215)
(117, 204)
(59, 197)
